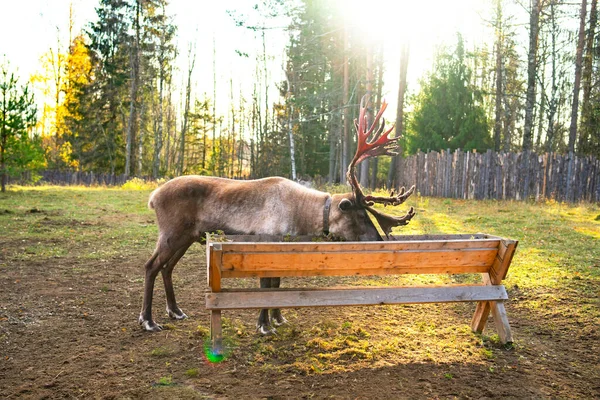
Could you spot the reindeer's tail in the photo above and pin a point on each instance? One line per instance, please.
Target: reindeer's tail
(151, 200)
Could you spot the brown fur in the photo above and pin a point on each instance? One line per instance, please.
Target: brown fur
(187, 207)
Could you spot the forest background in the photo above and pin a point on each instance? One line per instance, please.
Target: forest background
(130, 94)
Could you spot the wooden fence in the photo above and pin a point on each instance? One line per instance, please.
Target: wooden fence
(515, 176)
(459, 175)
(83, 178)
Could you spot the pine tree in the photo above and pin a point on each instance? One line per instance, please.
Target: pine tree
(78, 76)
(108, 96)
(448, 111)
(18, 150)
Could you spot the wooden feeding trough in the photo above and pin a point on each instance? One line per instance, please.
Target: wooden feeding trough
(277, 256)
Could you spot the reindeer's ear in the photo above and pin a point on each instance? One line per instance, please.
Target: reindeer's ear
(345, 205)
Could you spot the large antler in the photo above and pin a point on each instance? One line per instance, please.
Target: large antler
(380, 144)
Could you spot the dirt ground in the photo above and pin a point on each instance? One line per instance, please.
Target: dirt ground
(68, 329)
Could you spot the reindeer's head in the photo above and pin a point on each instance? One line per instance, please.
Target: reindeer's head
(350, 219)
(349, 216)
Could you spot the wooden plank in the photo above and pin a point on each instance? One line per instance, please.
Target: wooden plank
(216, 332)
(214, 256)
(446, 237)
(352, 297)
(333, 288)
(271, 273)
(453, 260)
(329, 247)
(480, 317)
(225, 239)
(264, 238)
(502, 262)
(209, 275)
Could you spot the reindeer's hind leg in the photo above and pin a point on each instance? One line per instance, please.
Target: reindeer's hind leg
(172, 309)
(276, 318)
(263, 326)
(165, 250)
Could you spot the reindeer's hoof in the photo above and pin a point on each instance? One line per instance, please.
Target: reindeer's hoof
(279, 320)
(150, 325)
(266, 330)
(176, 314)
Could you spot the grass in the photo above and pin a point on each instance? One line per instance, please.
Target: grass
(553, 281)
(50, 221)
(165, 381)
(160, 352)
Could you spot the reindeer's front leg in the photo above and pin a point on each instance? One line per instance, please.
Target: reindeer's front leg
(165, 256)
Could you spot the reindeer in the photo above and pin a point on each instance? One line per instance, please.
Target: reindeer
(188, 207)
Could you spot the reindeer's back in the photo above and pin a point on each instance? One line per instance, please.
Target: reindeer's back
(268, 205)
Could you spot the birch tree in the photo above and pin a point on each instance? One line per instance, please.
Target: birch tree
(134, 76)
(577, 83)
(534, 22)
(396, 165)
(587, 126)
(186, 110)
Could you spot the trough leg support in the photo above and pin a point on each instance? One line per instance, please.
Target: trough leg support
(501, 321)
(481, 316)
(216, 335)
(498, 312)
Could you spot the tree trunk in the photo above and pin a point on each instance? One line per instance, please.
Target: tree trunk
(168, 157)
(240, 154)
(290, 127)
(375, 163)
(231, 157)
(586, 106)
(158, 137)
(345, 113)
(140, 143)
(333, 134)
(534, 21)
(575, 107)
(397, 165)
(543, 101)
(364, 166)
(553, 101)
(499, 68)
(186, 111)
(213, 154)
(3, 139)
(577, 84)
(133, 93)
(204, 132)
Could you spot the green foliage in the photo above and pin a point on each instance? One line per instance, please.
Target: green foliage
(165, 381)
(315, 82)
(448, 111)
(141, 184)
(160, 352)
(19, 150)
(100, 100)
(192, 372)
